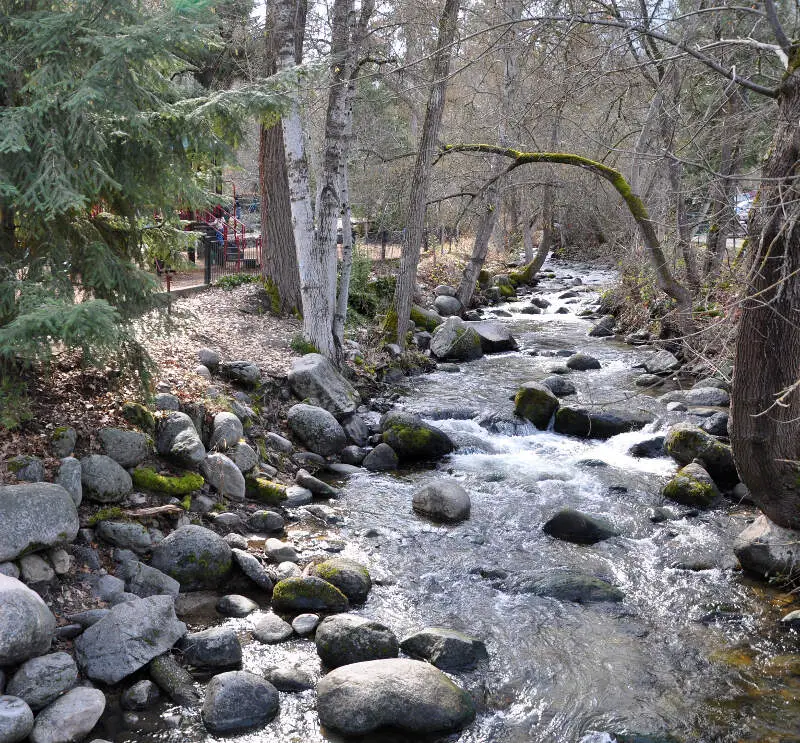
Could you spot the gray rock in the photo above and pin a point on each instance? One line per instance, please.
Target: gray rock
(10, 570)
(313, 377)
(422, 339)
(307, 594)
(35, 516)
(531, 310)
(768, 550)
(661, 363)
(35, 569)
(290, 679)
(126, 448)
(125, 534)
(195, 556)
(218, 647)
(349, 576)
(582, 362)
(650, 448)
(234, 605)
(446, 305)
(144, 580)
(686, 443)
(315, 485)
(425, 319)
(442, 500)
(236, 541)
(567, 585)
(353, 455)
(16, 719)
(228, 521)
(26, 469)
(791, 620)
(142, 695)
(202, 371)
(536, 403)
(676, 407)
(317, 429)
(243, 456)
(62, 442)
(269, 628)
(61, 560)
(305, 624)
(226, 433)
(445, 648)
(69, 478)
(237, 701)
(559, 386)
(648, 380)
(265, 522)
(456, 341)
(242, 411)
(692, 486)
(309, 459)
(716, 425)
(355, 429)
(253, 569)
(109, 586)
(174, 680)
(381, 459)
(443, 290)
(104, 480)
(130, 636)
(707, 396)
(599, 423)
(89, 617)
(177, 439)
(279, 443)
(297, 496)
(40, 680)
(208, 358)
(413, 439)
(495, 337)
(70, 717)
(224, 476)
(604, 328)
(245, 373)
(166, 401)
(346, 638)
(287, 570)
(278, 551)
(570, 525)
(407, 694)
(27, 624)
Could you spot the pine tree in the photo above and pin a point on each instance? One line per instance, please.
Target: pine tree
(102, 138)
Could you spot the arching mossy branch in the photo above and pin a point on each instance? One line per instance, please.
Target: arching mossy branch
(664, 278)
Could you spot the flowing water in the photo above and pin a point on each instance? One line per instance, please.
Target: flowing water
(691, 652)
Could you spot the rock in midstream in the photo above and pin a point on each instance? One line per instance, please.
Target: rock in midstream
(346, 638)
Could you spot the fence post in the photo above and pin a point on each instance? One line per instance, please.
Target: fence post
(209, 250)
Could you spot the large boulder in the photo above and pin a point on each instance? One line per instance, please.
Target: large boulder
(425, 319)
(570, 525)
(127, 638)
(245, 373)
(35, 516)
(442, 500)
(535, 403)
(308, 594)
(661, 363)
(104, 480)
(26, 624)
(176, 438)
(692, 486)
(567, 585)
(447, 649)
(226, 478)
(217, 647)
(707, 396)
(582, 362)
(395, 693)
(69, 718)
(313, 377)
(227, 431)
(599, 423)
(317, 429)
(768, 550)
(196, 557)
(686, 443)
(456, 341)
(349, 576)
(603, 328)
(381, 459)
(237, 701)
(446, 305)
(41, 680)
(126, 448)
(412, 439)
(347, 638)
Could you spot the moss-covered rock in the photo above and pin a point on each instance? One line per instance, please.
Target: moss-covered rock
(146, 478)
(196, 557)
(425, 319)
(412, 439)
(692, 486)
(535, 403)
(455, 341)
(264, 490)
(525, 275)
(138, 415)
(506, 291)
(349, 576)
(309, 593)
(685, 443)
(484, 278)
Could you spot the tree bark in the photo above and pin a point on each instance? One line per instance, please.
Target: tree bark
(765, 420)
(415, 226)
(480, 248)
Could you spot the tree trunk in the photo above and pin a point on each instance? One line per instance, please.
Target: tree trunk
(409, 257)
(527, 240)
(682, 228)
(765, 420)
(480, 248)
(280, 269)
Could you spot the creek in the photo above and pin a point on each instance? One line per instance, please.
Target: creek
(691, 652)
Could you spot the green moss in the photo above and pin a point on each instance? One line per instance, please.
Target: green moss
(506, 291)
(390, 326)
(106, 514)
(424, 320)
(271, 288)
(484, 277)
(300, 345)
(264, 490)
(298, 594)
(148, 479)
(59, 432)
(17, 463)
(691, 488)
(536, 405)
(408, 436)
(138, 415)
(186, 503)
